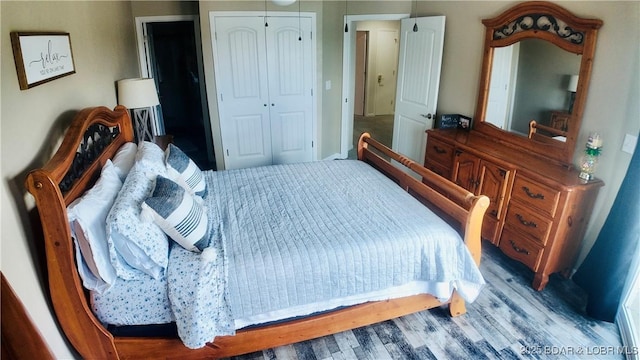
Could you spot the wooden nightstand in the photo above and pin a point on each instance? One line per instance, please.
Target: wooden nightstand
(163, 141)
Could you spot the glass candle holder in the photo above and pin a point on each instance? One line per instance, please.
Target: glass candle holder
(589, 159)
(588, 165)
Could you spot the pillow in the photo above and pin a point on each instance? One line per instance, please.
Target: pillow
(184, 171)
(137, 247)
(87, 216)
(152, 158)
(89, 280)
(124, 159)
(178, 214)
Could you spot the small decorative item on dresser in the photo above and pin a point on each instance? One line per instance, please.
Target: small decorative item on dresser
(448, 121)
(589, 160)
(464, 122)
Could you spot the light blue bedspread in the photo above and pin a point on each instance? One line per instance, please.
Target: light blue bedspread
(292, 235)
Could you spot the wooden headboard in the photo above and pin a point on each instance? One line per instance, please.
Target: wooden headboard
(72, 170)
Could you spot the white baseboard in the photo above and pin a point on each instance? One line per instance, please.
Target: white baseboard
(336, 156)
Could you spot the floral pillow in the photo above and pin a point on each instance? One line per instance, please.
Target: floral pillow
(137, 247)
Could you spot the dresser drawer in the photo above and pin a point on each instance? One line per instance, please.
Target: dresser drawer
(437, 168)
(520, 248)
(527, 222)
(439, 152)
(539, 196)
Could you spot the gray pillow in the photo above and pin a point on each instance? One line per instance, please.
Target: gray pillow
(178, 214)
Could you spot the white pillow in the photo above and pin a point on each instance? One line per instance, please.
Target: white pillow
(178, 214)
(89, 280)
(124, 159)
(184, 171)
(137, 247)
(87, 217)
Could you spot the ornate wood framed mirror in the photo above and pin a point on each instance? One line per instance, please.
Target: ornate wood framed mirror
(535, 77)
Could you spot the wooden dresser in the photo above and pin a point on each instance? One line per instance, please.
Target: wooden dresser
(539, 210)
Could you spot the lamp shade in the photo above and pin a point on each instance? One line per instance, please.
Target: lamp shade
(137, 93)
(283, 2)
(573, 83)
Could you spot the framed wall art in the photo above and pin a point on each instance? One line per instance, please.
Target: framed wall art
(41, 57)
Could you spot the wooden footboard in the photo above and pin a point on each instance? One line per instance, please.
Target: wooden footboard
(68, 175)
(451, 200)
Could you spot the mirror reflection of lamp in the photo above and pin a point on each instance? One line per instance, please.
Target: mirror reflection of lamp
(572, 88)
(140, 96)
(283, 2)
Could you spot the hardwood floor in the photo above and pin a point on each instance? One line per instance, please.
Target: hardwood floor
(380, 127)
(509, 320)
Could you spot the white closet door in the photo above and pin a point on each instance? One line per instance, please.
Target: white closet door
(264, 79)
(290, 74)
(240, 54)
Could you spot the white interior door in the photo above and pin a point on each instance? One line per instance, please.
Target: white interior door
(289, 58)
(243, 98)
(501, 90)
(419, 64)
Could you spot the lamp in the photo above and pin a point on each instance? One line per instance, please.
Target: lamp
(283, 2)
(572, 87)
(140, 95)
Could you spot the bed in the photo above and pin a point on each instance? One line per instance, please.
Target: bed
(252, 211)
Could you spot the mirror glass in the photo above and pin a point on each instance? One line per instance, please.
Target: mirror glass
(532, 80)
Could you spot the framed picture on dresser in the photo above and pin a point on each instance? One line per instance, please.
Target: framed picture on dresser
(453, 121)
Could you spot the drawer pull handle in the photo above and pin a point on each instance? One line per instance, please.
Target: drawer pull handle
(439, 150)
(532, 195)
(525, 222)
(518, 249)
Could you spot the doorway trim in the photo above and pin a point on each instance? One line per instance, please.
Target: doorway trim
(143, 61)
(348, 71)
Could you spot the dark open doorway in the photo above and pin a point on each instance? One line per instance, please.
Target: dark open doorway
(173, 58)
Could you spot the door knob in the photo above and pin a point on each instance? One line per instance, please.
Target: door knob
(428, 116)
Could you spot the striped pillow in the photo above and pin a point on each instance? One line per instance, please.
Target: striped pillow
(184, 171)
(178, 214)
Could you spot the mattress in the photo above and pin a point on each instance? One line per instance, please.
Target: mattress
(292, 240)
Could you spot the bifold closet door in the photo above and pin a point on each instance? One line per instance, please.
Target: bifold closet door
(243, 95)
(290, 88)
(264, 82)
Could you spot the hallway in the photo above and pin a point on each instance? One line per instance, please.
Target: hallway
(380, 127)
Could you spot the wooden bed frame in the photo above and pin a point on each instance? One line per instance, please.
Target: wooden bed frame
(99, 132)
